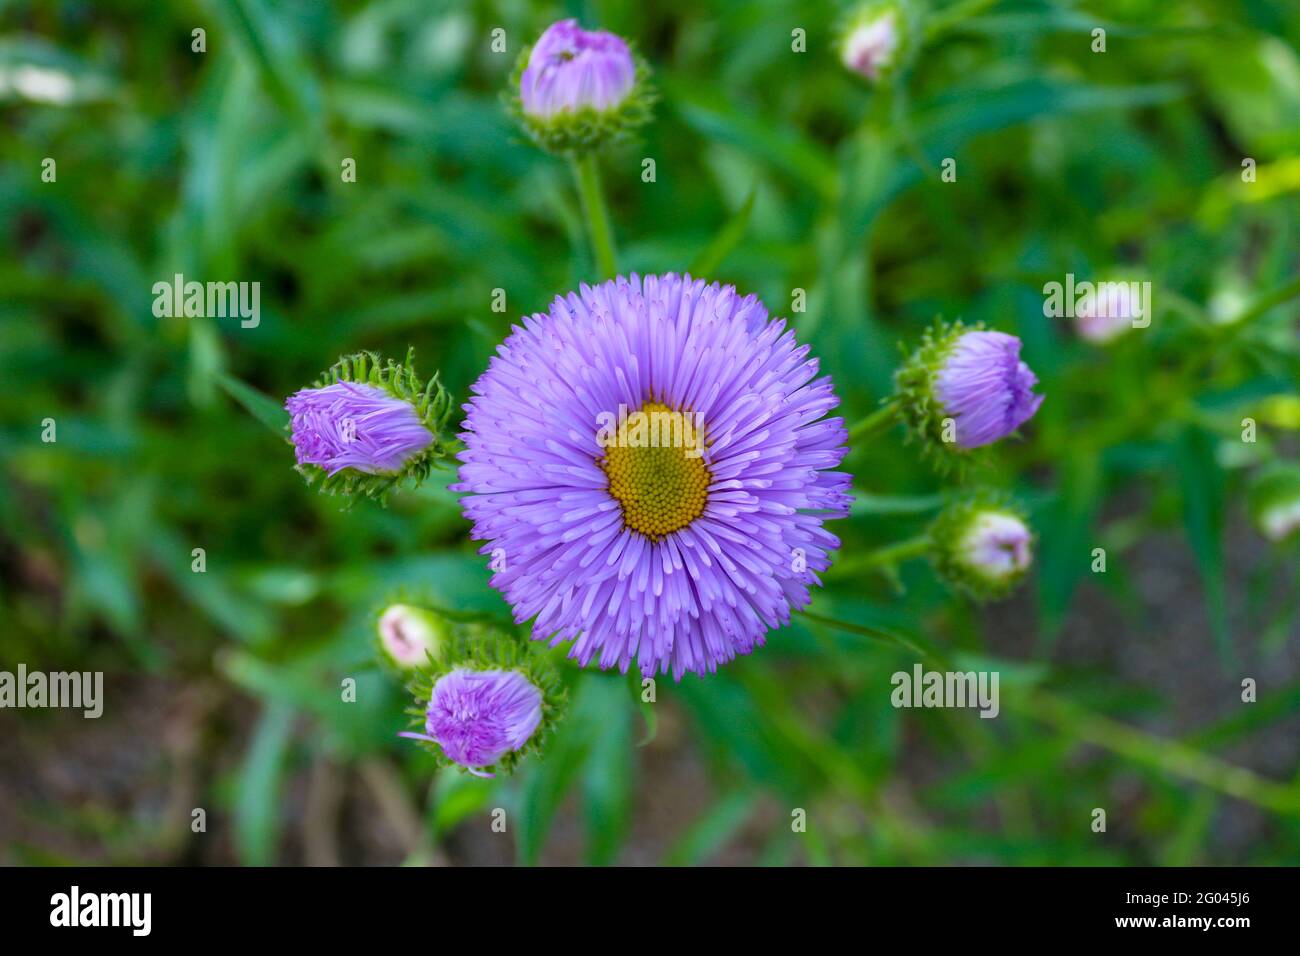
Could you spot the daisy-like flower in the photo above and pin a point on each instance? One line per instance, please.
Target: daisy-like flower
(409, 636)
(965, 388)
(478, 717)
(1274, 501)
(981, 545)
(578, 89)
(365, 425)
(876, 38)
(678, 537)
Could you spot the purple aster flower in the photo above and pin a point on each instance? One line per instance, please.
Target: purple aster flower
(477, 717)
(962, 389)
(678, 553)
(570, 69)
(350, 425)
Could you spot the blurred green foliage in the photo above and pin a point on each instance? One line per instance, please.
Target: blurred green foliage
(775, 170)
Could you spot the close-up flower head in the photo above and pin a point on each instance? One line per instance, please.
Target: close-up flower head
(478, 717)
(580, 89)
(659, 549)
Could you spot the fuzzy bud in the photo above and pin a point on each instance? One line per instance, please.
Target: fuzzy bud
(965, 388)
(982, 546)
(365, 425)
(578, 90)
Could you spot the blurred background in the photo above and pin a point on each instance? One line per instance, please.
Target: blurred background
(1121, 690)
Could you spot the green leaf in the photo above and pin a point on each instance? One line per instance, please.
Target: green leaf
(1201, 483)
(265, 37)
(458, 795)
(257, 805)
(548, 781)
(712, 831)
(728, 238)
(607, 779)
(715, 118)
(262, 407)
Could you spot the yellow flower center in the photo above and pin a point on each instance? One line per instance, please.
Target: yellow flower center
(655, 464)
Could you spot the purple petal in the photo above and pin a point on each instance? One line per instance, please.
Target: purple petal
(347, 425)
(570, 68)
(985, 388)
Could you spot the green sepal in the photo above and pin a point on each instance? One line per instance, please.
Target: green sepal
(947, 550)
(573, 133)
(432, 403)
(920, 409)
(479, 645)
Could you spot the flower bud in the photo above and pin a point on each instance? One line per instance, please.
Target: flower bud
(410, 636)
(982, 546)
(1106, 315)
(486, 700)
(1273, 500)
(477, 717)
(364, 426)
(877, 38)
(965, 388)
(580, 89)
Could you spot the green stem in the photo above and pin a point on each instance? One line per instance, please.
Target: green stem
(1169, 756)
(881, 420)
(1157, 753)
(593, 206)
(1287, 290)
(888, 556)
(1226, 333)
(880, 634)
(941, 21)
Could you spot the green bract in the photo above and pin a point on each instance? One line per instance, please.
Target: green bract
(918, 406)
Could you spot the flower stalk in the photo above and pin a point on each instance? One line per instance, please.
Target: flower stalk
(594, 209)
(877, 423)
